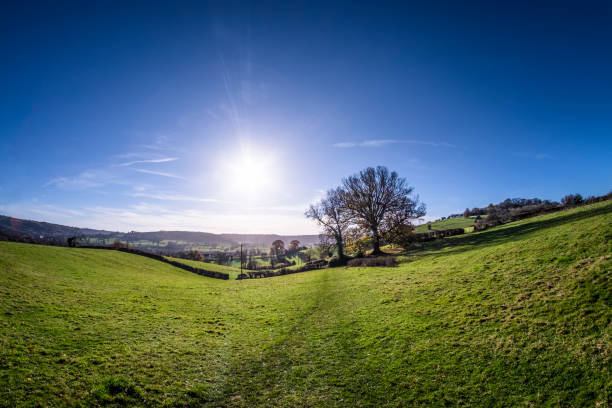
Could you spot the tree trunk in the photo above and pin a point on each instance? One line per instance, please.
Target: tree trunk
(376, 244)
(340, 249)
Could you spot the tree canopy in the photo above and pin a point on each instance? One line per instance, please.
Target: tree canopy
(376, 201)
(380, 201)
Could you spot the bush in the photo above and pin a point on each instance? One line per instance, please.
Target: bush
(119, 244)
(374, 261)
(335, 261)
(571, 200)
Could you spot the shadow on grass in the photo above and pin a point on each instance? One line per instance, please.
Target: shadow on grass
(504, 233)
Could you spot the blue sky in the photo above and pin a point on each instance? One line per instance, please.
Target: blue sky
(233, 117)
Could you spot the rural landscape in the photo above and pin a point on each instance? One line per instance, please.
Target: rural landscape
(303, 204)
(511, 309)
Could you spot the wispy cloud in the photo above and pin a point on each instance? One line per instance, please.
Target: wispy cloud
(160, 173)
(384, 142)
(161, 143)
(129, 155)
(175, 197)
(163, 160)
(345, 144)
(84, 180)
(32, 209)
(377, 142)
(537, 156)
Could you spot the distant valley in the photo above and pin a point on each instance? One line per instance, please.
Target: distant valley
(45, 232)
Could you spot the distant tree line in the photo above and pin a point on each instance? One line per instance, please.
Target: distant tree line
(9, 235)
(251, 258)
(520, 208)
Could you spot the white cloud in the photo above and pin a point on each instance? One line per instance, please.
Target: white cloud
(377, 142)
(34, 210)
(175, 197)
(384, 142)
(84, 180)
(129, 155)
(162, 160)
(147, 217)
(160, 173)
(344, 144)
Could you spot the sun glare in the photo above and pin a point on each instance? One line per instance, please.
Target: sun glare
(251, 174)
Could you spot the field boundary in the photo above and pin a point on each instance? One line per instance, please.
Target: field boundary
(199, 271)
(309, 266)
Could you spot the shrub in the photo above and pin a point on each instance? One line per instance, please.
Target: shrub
(335, 261)
(493, 219)
(571, 200)
(374, 261)
(119, 244)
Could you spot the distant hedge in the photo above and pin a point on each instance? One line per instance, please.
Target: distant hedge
(309, 266)
(431, 235)
(373, 261)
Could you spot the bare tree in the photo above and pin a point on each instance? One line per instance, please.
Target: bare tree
(380, 201)
(331, 214)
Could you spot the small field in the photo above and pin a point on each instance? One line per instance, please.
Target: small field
(449, 223)
(518, 315)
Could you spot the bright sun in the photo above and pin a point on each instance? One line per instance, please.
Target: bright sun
(251, 173)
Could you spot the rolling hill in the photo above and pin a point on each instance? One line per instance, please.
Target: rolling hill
(517, 315)
(11, 226)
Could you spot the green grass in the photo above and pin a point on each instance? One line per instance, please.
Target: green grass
(209, 266)
(513, 316)
(298, 261)
(449, 223)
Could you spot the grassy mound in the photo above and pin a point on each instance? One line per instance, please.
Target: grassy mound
(518, 315)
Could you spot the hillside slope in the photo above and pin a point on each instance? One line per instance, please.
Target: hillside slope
(518, 315)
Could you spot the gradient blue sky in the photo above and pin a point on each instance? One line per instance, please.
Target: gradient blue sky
(232, 117)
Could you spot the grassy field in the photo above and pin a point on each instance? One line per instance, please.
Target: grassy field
(449, 223)
(518, 315)
(209, 266)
